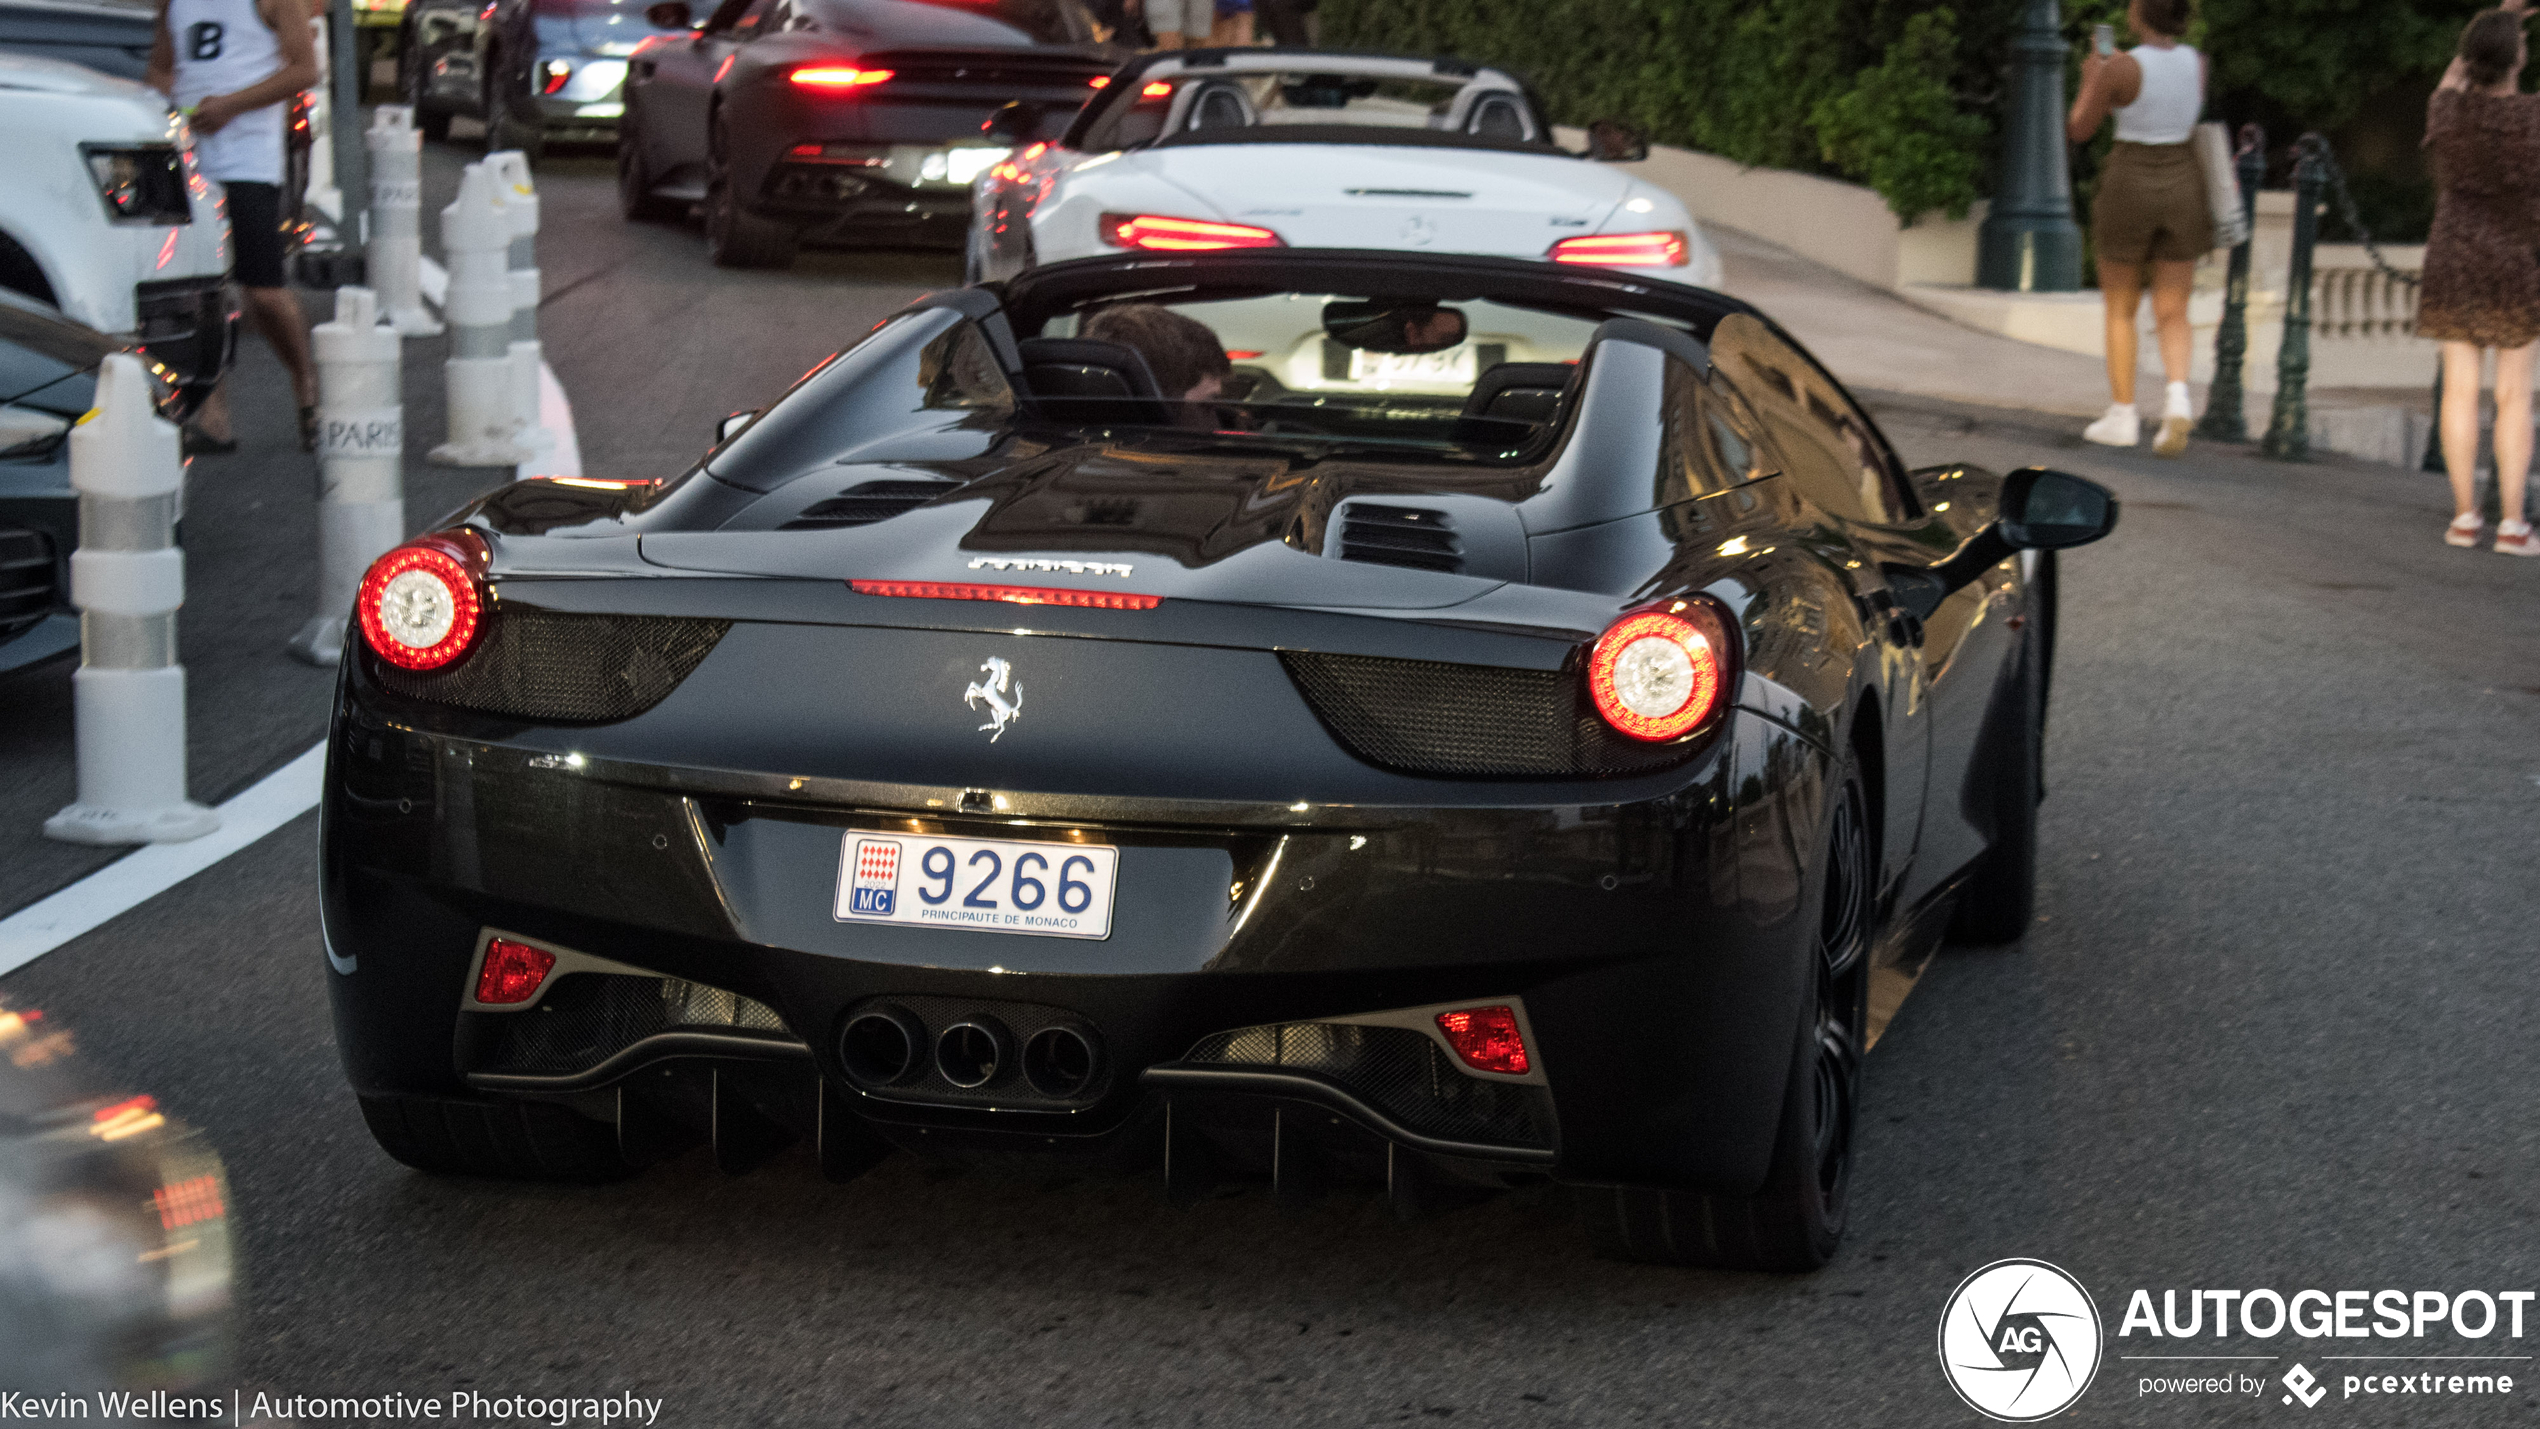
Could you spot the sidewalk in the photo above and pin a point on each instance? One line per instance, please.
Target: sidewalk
(1873, 339)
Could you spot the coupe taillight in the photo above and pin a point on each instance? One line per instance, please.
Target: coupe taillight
(1157, 234)
(835, 78)
(1661, 673)
(420, 605)
(1623, 250)
(1487, 1039)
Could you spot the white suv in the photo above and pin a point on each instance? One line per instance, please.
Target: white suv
(103, 216)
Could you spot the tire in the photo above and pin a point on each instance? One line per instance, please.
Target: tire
(498, 1140)
(507, 128)
(432, 124)
(2000, 898)
(635, 197)
(736, 237)
(1795, 1222)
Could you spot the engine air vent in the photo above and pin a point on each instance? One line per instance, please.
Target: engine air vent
(26, 580)
(1414, 536)
(865, 503)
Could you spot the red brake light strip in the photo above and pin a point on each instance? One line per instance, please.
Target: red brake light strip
(1012, 594)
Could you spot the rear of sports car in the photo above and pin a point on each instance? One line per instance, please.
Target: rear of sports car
(640, 841)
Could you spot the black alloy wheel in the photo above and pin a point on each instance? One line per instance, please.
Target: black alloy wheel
(506, 125)
(1795, 1222)
(736, 237)
(432, 122)
(635, 197)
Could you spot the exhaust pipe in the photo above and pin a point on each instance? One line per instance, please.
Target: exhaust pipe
(973, 1052)
(883, 1046)
(1059, 1062)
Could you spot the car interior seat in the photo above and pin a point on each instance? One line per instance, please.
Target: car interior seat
(1520, 391)
(1218, 104)
(1086, 381)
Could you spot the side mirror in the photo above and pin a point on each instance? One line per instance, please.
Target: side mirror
(2048, 510)
(732, 426)
(669, 15)
(1611, 141)
(1016, 122)
(2042, 510)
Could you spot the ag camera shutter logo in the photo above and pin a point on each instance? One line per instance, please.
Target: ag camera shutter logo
(2019, 1340)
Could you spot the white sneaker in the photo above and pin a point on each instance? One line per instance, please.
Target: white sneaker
(2121, 427)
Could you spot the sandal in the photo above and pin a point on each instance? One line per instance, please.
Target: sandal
(2512, 542)
(308, 429)
(2463, 531)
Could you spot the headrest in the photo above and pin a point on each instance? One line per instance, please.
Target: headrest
(1519, 391)
(1097, 383)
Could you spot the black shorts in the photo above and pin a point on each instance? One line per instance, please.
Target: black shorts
(255, 234)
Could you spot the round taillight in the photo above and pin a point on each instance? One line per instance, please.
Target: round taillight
(1657, 674)
(419, 607)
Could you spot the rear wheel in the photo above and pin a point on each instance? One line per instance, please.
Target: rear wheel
(736, 237)
(501, 1140)
(1797, 1219)
(508, 126)
(2000, 898)
(635, 197)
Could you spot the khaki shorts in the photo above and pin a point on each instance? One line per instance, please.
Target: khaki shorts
(2151, 206)
(1184, 17)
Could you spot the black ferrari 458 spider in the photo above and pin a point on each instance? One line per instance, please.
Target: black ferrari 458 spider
(1447, 723)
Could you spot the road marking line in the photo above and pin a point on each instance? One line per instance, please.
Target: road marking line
(555, 412)
(145, 873)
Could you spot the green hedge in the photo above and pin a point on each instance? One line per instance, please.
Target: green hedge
(1902, 95)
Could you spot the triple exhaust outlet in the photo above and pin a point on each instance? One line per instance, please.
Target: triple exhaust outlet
(888, 1046)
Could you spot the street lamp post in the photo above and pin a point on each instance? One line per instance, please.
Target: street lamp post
(2029, 242)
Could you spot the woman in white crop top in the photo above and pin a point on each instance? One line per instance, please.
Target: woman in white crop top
(2150, 215)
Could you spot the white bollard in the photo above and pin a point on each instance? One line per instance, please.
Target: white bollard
(396, 220)
(476, 235)
(321, 193)
(361, 464)
(520, 198)
(128, 578)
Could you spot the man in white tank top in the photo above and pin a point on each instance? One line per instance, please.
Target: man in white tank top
(232, 66)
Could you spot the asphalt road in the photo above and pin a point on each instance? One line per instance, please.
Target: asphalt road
(2272, 1028)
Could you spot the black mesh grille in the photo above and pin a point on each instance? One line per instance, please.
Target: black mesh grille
(865, 503)
(1412, 536)
(587, 1018)
(1468, 721)
(555, 668)
(1398, 1071)
(26, 580)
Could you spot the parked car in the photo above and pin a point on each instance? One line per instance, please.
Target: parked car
(1251, 148)
(532, 70)
(840, 121)
(103, 216)
(48, 378)
(105, 35)
(1007, 747)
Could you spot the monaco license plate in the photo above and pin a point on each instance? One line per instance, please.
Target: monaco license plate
(1456, 366)
(1056, 890)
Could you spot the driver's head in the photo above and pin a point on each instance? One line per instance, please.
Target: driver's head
(1188, 363)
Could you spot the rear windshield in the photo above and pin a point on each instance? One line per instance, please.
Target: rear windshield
(1205, 106)
(1285, 377)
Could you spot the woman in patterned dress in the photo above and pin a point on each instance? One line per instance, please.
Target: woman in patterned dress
(2482, 266)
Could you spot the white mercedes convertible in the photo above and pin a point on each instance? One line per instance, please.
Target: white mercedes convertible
(1265, 148)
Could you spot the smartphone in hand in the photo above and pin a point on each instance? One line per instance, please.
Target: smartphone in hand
(2103, 38)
